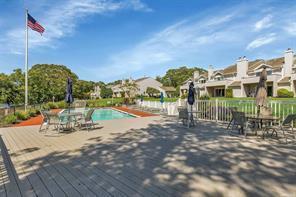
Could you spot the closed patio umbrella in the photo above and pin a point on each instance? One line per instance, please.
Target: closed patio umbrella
(261, 91)
(161, 97)
(191, 94)
(69, 92)
(191, 100)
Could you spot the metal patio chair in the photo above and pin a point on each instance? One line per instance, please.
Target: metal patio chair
(286, 127)
(86, 122)
(231, 122)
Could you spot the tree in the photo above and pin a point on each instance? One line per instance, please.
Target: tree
(175, 77)
(106, 92)
(152, 91)
(129, 87)
(17, 77)
(48, 80)
(8, 90)
(82, 89)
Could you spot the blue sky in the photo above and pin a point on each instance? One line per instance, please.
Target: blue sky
(105, 40)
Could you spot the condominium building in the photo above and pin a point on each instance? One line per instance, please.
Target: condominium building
(141, 86)
(243, 76)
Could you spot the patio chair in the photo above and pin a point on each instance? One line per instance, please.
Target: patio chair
(87, 121)
(231, 122)
(183, 115)
(241, 122)
(45, 120)
(285, 126)
(53, 119)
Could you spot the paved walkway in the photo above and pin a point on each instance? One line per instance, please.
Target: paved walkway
(150, 156)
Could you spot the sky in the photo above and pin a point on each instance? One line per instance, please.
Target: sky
(106, 40)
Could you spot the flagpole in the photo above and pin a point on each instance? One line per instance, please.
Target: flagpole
(26, 63)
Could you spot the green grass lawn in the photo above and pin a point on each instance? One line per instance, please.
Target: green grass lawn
(158, 99)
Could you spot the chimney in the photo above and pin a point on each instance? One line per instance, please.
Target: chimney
(210, 72)
(195, 75)
(242, 67)
(289, 57)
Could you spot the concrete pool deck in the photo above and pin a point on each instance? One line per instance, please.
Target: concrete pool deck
(151, 156)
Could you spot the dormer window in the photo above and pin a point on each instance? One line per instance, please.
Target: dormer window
(218, 77)
(269, 72)
(202, 81)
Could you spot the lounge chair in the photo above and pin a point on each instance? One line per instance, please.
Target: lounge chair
(285, 126)
(87, 121)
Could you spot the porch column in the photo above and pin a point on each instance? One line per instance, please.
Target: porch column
(274, 89)
(293, 87)
(243, 91)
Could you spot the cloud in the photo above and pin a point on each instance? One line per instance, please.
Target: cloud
(264, 23)
(175, 41)
(258, 42)
(62, 19)
(291, 28)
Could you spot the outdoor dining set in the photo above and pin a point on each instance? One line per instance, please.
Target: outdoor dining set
(267, 125)
(78, 117)
(67, 120)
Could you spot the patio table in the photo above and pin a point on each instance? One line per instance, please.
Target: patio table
(260, 119)
(70, 118)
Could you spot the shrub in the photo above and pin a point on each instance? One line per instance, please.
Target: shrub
(52, 105)
(104, 102)
(284, 93)
(229, 93)
(62, 105)
(184, 96)
(204, 97)
(10, 119)
(21, 115)
(32, 112)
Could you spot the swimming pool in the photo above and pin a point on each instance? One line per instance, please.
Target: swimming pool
(104, 114)
(110, 114)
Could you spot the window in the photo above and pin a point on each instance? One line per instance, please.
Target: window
(269, 72)
(219, 92)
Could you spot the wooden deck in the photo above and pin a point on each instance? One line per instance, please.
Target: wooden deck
(150, 156)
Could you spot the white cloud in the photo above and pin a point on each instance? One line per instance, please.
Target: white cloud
(178, 40)
(264, 23)
(291, 28)
(258, 42)
(61, 20)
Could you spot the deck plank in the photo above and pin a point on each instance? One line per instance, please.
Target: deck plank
(76, 187)
(25, 185)
(37, 183)
(12, 185)
(144, 158)
(94, 183)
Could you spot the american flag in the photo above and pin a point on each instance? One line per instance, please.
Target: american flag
(34, 25)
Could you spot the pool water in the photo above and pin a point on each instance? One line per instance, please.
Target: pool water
(104, 114)
(109, 114)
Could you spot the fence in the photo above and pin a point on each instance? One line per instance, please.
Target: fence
(218, 110)
(12, 109)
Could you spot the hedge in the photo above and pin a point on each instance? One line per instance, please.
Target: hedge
(284, 93)
(229, 93)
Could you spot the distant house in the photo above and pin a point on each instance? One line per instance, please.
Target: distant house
(243, 77)
(142, 84)
(96, 94)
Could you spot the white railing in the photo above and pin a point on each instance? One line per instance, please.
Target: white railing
(171, 108)
(218, 110)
